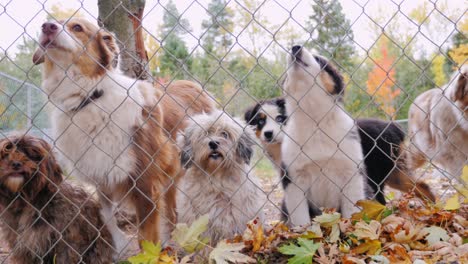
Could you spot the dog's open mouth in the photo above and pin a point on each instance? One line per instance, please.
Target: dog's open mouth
(48, 44)
(215, 155)
(16, 175)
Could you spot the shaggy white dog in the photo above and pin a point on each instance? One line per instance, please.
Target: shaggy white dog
(216, 150)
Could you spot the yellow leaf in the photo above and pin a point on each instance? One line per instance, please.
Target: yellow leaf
(344, 247)
(258, 239)
(452, 203)
(465, 175)
(370, 209)
(370, 247)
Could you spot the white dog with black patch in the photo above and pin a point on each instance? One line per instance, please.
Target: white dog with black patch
(216, 150)
(321, 149)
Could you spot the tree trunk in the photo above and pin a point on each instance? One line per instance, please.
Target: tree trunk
(123, 18)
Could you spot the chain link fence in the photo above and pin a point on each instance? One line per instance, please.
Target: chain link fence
(137, 140)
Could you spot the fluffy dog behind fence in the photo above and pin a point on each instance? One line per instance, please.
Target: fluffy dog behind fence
(42, 218)
(216, 150)
(321, 150)
(438, 126)
(382, 144)
(113, 131)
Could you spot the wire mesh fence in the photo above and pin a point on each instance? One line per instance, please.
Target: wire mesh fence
(144, 116)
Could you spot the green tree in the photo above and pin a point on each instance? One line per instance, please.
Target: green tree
(173, 23)
(175, 60)
(218, 27)
(253, 23)
(331, 32)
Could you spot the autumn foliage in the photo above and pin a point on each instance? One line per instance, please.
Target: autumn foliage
(381, 80)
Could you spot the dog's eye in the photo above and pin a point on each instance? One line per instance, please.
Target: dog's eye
(280, 119)
(261, 122)
(77, 28)
(6, 150)
(224, 134)
(9, 147)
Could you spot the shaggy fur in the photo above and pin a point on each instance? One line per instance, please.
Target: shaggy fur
(322, 152)
(438, 126)
(111, 129)
(43, 218)
(384, 159)
(216, 150)
(182, 99)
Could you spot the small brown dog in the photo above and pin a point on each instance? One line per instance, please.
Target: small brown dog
(42, 218)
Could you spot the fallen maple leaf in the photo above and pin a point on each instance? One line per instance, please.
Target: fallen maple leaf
(370, 231)
(302, 253)
(409, 233)
(330, 220)
(258, 238)
(225, 253)
(370, 247)
(189, 238)
(370, 209)
(435, 235)
(452, 203)
(327, 219)
(352, 260)
(151, 254)
(330, 258)
(313, 231)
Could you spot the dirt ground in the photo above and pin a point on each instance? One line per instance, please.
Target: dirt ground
(272, 187)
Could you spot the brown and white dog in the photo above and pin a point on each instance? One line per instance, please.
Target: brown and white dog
(113, 131)
(44, 219)
(438, 126)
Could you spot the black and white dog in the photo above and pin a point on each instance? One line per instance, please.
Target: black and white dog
(379, 140)
(381, 143)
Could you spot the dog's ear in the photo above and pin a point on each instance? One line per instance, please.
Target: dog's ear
(186, 152)
(245, 146)
(54, 171)
(249, 115)
(280, 102)
(108, 48)
(39, 56)
(461, 89)
(110, 40)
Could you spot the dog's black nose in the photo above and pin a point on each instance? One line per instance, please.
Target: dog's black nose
(16, 165)
(213, 144)
(48, 28)
(268, 135)
(296, 50)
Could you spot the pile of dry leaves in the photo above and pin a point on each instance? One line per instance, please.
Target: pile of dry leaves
(405, 231)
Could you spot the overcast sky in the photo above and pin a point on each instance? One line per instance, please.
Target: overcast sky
(19, 17)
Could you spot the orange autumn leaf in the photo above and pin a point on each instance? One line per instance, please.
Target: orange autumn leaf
(258, 238)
